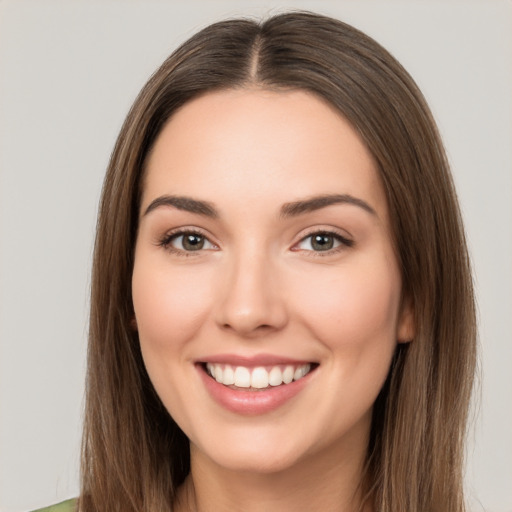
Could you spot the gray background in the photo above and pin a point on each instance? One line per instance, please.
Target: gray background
(69, 71)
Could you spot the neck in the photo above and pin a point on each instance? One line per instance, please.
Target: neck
(330, 482)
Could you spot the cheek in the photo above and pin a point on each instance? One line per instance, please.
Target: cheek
(353, 314)
(169, 306)
(355, 307)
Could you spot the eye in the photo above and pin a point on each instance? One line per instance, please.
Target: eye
(323, 241)
(187, 241)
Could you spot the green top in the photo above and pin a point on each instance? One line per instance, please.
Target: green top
(65, 506)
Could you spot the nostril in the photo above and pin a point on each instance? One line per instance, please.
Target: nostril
(249, 330)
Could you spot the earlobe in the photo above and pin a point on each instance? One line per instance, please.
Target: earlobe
(406, 328)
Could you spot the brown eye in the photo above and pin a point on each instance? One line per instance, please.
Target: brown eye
(324, 241)
(192, 242)
(189, 242)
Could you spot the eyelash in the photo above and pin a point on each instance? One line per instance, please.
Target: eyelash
(344, 242)
(166, 242)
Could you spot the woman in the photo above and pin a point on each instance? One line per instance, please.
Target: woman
(282, 311)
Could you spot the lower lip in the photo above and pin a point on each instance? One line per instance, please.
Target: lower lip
(252, 402)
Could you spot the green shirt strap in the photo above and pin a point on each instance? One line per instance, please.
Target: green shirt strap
(65, 506)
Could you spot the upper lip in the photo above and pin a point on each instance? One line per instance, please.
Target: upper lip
(252, 360)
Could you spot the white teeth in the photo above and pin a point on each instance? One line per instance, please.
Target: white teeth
(242, 377)
(229, 376)
(288, 374)
(257, 378)
(296, 376)
(275, 376)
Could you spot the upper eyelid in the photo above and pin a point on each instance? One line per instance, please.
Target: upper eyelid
(326, 230)
(342, 235)
(166, 242)
(344, 240)
(165, 239)
(184, 230)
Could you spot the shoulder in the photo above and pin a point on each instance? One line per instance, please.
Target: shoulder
(65, 506)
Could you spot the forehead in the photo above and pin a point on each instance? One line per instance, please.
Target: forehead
(254, 144)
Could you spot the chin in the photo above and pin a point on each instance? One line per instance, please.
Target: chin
(255, 462)
(252, 452)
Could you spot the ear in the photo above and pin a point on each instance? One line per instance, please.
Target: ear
(405, 329)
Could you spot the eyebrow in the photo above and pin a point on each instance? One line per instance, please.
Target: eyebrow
(317, 202)
(184, 203)
(292, 209)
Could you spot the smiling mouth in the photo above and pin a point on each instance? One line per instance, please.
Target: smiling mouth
(258, 378)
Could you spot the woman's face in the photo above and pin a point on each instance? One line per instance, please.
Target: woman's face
(264, 258)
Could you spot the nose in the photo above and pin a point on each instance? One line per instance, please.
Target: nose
(251, 303)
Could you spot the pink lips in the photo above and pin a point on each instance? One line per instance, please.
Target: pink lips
(246, 401)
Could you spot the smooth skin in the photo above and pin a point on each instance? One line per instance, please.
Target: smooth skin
(248, 277)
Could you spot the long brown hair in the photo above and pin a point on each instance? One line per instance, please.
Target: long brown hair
(134, 455)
